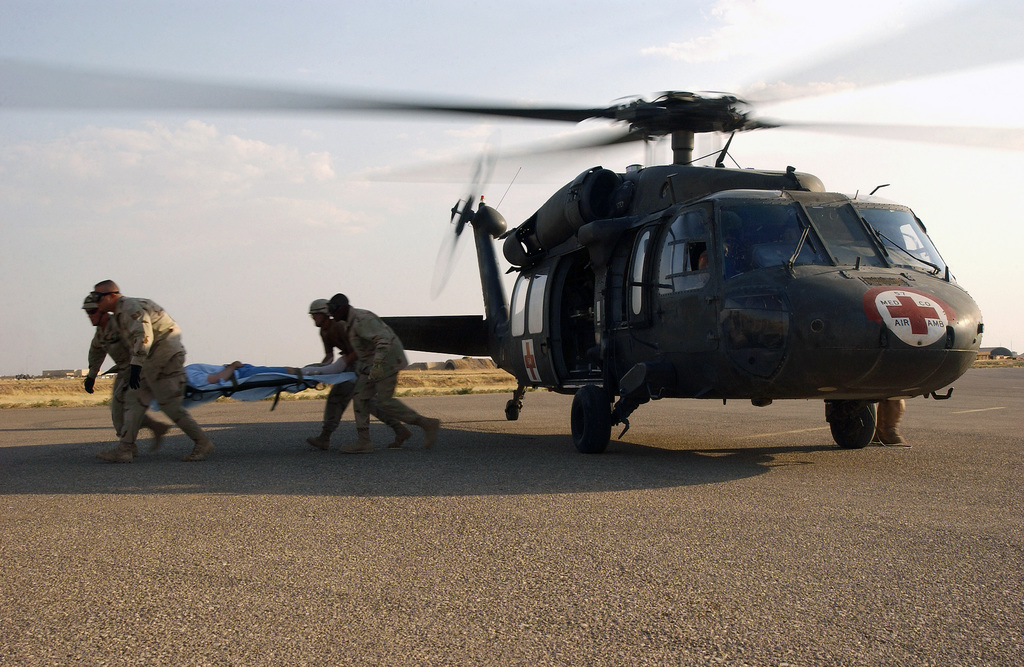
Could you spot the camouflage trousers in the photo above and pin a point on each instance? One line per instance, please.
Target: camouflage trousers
(376, 397)
(337, 400)
(117, 404)
(163, 380)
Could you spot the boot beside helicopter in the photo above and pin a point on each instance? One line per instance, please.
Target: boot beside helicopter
(679, 281)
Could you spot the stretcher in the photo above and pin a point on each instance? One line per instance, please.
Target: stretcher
(258, 384)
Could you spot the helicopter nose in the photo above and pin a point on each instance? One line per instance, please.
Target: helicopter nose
(862, 341)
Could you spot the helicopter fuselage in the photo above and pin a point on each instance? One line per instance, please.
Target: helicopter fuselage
(693, 282)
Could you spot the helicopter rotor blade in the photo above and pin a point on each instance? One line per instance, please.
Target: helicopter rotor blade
(27, 85)
(529, 155)
(1005, 138)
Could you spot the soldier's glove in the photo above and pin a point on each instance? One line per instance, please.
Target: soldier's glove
(135, 378)
(89, 384)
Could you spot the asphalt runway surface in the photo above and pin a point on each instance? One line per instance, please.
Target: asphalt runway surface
(709, 534)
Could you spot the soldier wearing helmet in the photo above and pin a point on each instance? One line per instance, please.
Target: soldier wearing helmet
(334, 334)
(156, 370)
(106, 341)
(379, 356)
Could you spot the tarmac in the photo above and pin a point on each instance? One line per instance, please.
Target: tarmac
(707, 535)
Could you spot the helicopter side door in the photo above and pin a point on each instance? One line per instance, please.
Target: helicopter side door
(683, 294)
(672, 307)
(532, 350)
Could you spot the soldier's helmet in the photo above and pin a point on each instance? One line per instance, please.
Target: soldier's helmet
(318, 306)
(92, 302)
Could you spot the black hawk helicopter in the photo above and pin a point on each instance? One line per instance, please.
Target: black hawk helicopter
(667, 281)
(681, 281)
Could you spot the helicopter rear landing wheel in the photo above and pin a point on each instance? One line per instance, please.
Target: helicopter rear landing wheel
(515, 404)
(852, 422)
(591, 419)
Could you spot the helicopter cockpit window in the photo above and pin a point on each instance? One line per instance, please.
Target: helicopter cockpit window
(905, 239)
(683, 264)
(765, 234)
(845, 235)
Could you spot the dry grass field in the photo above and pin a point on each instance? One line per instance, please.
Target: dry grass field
(36, 392)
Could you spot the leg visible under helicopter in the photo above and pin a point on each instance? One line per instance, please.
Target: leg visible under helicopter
(515, 404)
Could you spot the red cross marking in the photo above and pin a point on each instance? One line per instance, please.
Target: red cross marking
(910, 309)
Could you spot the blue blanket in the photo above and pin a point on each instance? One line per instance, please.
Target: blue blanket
(251, 383)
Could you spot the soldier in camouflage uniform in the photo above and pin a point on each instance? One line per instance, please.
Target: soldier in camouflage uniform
(379, 357)
(106, 341)
(156, 370)
(334, 334)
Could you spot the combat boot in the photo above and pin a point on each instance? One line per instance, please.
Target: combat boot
(401, 435)
(322, 441)
(202, 448)
(120, 454)
(430, 428)
(362, 445)
(889, 415)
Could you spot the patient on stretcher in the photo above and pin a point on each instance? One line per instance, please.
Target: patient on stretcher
(245, 382)
(215, 374)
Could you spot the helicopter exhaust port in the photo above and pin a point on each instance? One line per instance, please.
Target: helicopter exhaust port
(587, 198)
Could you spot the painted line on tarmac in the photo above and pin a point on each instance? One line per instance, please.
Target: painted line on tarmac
(963, 412)
(769, 435)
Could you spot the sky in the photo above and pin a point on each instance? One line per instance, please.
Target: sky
(234, 221)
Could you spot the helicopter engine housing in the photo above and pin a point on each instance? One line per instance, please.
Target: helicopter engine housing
(587, 198)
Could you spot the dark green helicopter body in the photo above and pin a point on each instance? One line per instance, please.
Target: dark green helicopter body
(679, 281)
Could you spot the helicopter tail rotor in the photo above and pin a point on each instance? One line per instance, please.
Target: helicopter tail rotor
(462, 213)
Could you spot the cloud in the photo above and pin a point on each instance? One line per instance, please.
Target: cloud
(772, 30)
(110, 169)
(734, 26)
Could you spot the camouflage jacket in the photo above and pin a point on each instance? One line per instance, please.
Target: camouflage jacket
(334, 334)
(144, 325)
(107, 341)
(379, 352)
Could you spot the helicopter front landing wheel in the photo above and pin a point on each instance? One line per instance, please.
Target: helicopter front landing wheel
(591, 419)
(852, 422)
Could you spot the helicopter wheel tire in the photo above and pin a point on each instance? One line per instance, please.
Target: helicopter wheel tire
(591, 419)
(512, 410)
(854, 426)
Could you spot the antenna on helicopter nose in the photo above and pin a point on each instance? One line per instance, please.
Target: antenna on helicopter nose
(877, 188)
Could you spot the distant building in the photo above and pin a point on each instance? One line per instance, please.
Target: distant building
(66, 373)
(996, 353)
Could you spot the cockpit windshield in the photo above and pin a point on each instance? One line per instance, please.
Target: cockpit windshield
(762, 234)
(904, 238)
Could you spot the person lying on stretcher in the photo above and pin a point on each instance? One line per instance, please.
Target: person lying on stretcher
(216, 374)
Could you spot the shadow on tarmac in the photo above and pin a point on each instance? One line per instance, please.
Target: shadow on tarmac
(271, 458)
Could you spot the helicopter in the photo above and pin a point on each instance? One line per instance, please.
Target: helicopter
(683, 281)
